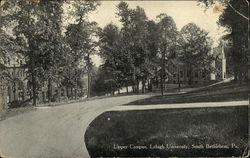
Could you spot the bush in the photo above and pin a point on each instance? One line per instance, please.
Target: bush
(18, 104)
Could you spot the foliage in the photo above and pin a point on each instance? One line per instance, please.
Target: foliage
(196, 46)
(137, 45)
(196, 49)
(80, 43)
(36, 29)
(235, 18)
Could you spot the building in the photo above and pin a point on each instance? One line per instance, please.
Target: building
(181, 74)
(15, 79)
(220, 62)
(18, 89)
(177, 73)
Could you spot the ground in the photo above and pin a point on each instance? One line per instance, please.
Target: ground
(54, 131)
(184, 127)
(58, 131)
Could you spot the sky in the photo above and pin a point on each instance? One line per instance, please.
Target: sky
(183, 12)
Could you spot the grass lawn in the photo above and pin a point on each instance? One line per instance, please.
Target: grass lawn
(169, 132)
(217, 93)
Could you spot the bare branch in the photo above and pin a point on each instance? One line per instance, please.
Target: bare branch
(239, 13)
(247, 2)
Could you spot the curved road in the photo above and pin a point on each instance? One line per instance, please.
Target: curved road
(58, 132)
(54, 132)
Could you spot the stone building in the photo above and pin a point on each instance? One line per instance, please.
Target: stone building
(177, 72)
(18, 89)
(180, 73)
(15, 79)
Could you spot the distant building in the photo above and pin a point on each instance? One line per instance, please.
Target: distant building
(177, 72)
(17, 87)
(15, 79)
(220, 62)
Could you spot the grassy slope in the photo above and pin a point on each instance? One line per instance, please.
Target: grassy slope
(216, 93)
(169, 126)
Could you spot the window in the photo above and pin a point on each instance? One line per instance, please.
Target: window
(181, 74)
(188, 73)
(62, 92)
(174, 75)
(203, 74)
(196, 74)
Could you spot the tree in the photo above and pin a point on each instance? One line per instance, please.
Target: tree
(235, 18)
(22, 15)
(241, 12)
(79, 37)
(168, 40)
(196, 49)
(134, 38)
(109, 51)
(50, 40)
(126, 43)
(153, 41)
(37, 30)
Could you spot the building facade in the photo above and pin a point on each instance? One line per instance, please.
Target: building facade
(16, 87)
(180, 73)
(177, 73)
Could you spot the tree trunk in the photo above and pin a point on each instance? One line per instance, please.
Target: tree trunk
(71, 92)
(134, 81)
(49, 90)
(33, 78)
(163, 73)
(33, 89)
(235, 73)
(157, 82)
(149, 86)
(190, 77)
(143, 86)
(67, 91)
(127, 89)
(240, 75)
(137, 86)
(75, 93)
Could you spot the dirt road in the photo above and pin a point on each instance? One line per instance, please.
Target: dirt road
(54, 132)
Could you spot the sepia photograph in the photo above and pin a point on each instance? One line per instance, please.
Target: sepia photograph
(124, 78)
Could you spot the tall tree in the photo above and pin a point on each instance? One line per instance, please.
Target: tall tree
(134, 38)
(196, 49)
(36, 27)
(79, 37)
(50, 40)
(168, 34)
(22, 15)
(235, 18)
(109, 51)
(153, 40)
